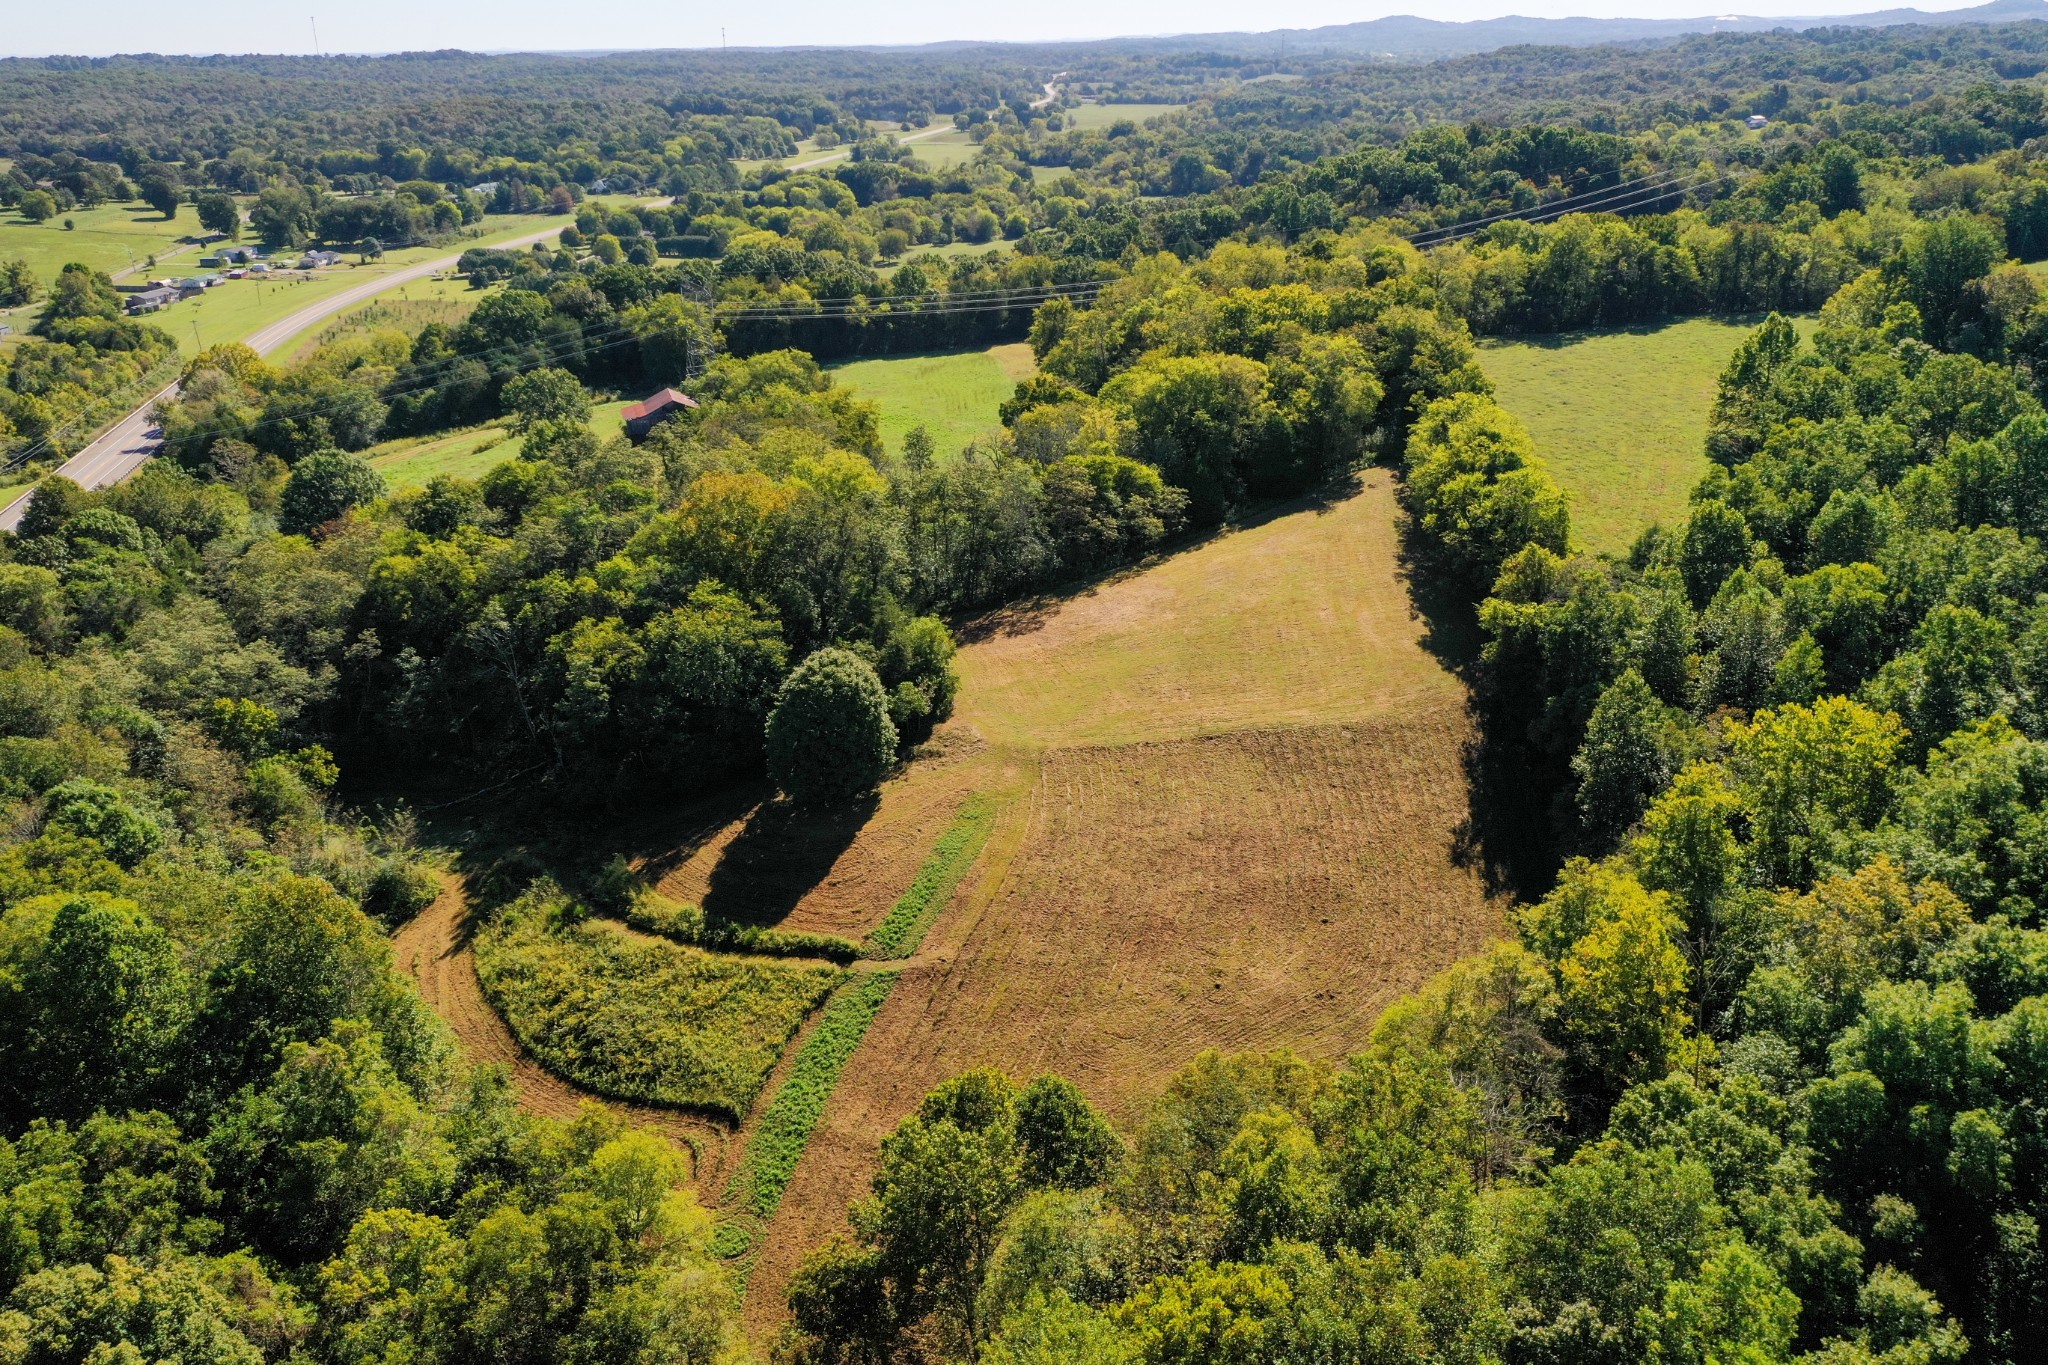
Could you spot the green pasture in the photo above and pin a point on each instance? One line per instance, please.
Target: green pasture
(954, 396)
(412, 462)
(1088, 116)
(111, 237)
(943, 151)
(1619, 416)
(949, 250)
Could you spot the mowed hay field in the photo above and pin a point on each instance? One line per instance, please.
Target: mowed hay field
(953, 395)
(1620, 416)
(1232, 792)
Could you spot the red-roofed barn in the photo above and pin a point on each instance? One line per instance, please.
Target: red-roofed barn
(643, 416)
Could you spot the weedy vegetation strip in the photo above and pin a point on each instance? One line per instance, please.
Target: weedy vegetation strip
(786, 1127)
(904, 927)
(686, 923)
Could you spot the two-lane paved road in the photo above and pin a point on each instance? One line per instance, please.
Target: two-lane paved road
(122, 448)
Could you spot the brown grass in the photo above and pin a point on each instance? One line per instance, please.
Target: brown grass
(1300, 619)
(821, 877)
(1267, 888)
(1235, 818)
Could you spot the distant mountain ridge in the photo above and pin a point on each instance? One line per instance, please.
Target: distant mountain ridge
(1408, 35)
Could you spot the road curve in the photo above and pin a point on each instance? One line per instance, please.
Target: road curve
(122, 448)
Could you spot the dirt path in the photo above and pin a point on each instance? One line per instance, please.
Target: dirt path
(433, 948)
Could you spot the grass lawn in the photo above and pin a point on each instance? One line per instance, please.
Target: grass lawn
(111, 237)
(605, 418)
(1102, 115)
(467, 454)
(954, 395)
(1620, 416)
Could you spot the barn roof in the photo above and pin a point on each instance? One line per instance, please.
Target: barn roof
(659, 401)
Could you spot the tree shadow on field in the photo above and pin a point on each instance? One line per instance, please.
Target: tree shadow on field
(1560, 341)
(1506, 833)
(780, 854)
(1450, 623)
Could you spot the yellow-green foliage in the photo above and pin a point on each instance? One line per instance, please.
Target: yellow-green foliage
(640, 1018)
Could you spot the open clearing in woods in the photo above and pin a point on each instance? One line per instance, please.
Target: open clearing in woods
(1226, 802)
(953, 395)
(1619, 416)
(1231, 800)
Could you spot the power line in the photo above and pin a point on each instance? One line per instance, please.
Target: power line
(1533, 208)
(1631, 200)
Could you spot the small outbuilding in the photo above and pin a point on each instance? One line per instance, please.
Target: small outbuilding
(1757, 120)
(651, 411)
(150, 299)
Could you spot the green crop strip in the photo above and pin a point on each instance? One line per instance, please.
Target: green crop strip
(786, 1128)
(755, 1191)
(903, 929)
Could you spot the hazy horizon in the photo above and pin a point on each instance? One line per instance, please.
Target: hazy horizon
(131, 26)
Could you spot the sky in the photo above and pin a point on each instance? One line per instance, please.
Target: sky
(34, 28)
